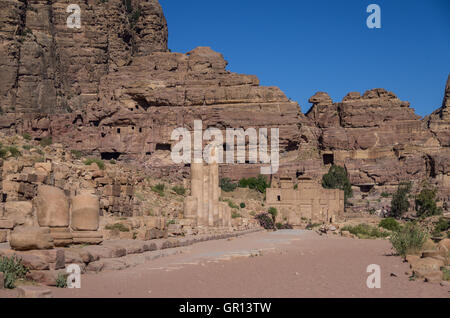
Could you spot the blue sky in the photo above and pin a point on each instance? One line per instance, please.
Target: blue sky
(324, 45)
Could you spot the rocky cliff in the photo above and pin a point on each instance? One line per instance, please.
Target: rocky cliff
(113, 89)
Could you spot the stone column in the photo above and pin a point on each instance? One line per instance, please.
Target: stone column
(206, 186)
(211, 187)
(220, 207)
(197, 189)
(214, 173)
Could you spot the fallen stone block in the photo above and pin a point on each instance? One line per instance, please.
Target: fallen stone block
(62, 237)
(19, 212)
(130, 246)
(47, 278)
(87, 237)
(434, 277)
(33, 292)
(95, 267)
(114, 265)
(31, 239)
(101, 252)
(52, 207)
(425, 266)
(85, 213)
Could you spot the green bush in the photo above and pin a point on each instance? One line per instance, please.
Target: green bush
(26, 147)
(180, 190)
(426, 202)
(46, 141)
(26, 136)
(385, 195)
(273, 212)
(443, 225)
(117, 227)
(159, 188)
(231, 204)
(235, 215)
(242, 205)
(13, 269)
(281, 226)
(227, 185)
(76, 154)
(61, 281)
(390, 224)
(409, 240)
(99, 163)
(259, 184)
(3, 153)
(400, 203)
(365, 231)
(337, 178)
(14, 151)
(446, 275)
(112, 161)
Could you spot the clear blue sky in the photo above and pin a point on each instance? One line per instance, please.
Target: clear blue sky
(324, 45)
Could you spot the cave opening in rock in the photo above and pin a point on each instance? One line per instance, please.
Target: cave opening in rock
(111, 155)
(366, 188)
(4, 197)
(163, 147)
(328, 159)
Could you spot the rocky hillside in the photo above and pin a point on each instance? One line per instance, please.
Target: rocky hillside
(112, 89)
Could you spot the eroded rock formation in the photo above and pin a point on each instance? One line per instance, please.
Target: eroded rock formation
(113, 89)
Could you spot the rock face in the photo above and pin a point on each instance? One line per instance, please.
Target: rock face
(49, 67)
(112, 89)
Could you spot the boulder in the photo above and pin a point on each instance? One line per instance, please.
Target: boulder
(85, 213)
(445, 243)
(19, 212)
(425, 266)
(52, 207)
(434, 277)
(31, 239)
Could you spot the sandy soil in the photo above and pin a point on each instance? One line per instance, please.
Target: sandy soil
(273, 265)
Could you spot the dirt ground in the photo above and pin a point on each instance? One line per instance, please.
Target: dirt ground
(274, 265)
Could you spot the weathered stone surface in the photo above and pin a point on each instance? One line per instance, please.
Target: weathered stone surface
(31, 239)
(19, 212)
(3, 236)
(85, 213)
(34, 292)
(113, 89)
(426, 266)
(2, 279)
(52, 207)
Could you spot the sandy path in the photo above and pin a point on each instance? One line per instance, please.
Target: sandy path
(291, 264)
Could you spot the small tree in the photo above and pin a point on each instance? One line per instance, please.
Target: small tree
(409, 240)
(274, 213)
(337, 178)
(400, 203)
(426, 202)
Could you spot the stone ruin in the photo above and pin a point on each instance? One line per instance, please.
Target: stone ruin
(203, 206)
(58, 223)
(308, 202)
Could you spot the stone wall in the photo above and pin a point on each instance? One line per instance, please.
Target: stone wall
(307, 202)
